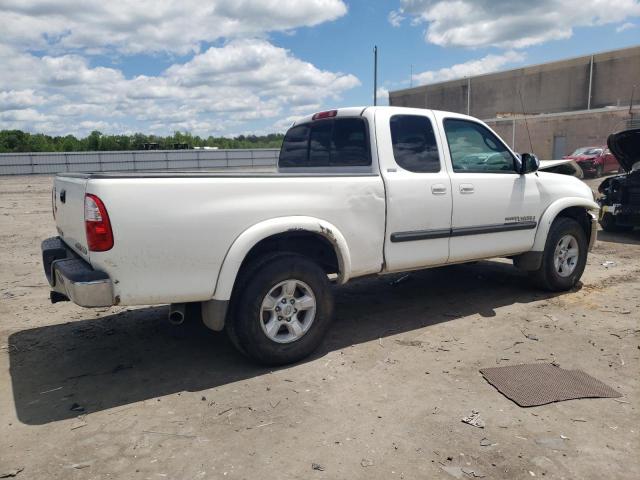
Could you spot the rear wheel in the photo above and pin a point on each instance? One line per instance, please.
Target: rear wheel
(283, 310)
(564, 257)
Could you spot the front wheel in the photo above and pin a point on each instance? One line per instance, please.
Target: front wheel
(564, 257)
(283, 310)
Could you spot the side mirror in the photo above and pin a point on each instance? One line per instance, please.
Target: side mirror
(528, 163)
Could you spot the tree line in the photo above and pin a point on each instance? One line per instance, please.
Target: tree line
(19, 141)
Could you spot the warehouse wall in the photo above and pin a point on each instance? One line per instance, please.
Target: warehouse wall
(565, 132)
(547, 88)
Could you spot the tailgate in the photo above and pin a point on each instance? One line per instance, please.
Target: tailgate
(68, 207)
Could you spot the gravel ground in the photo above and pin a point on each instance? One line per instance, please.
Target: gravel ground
(119, 393)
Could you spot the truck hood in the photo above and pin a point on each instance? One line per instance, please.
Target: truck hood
(625, 145)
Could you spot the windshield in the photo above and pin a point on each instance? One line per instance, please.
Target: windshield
(587, 151)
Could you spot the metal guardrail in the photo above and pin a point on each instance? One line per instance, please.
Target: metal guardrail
(136, 160)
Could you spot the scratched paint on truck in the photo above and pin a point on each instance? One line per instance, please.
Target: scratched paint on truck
(172, 234)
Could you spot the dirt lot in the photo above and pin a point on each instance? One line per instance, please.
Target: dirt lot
(119, 393)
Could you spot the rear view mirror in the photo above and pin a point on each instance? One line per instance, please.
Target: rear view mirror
(529, 163)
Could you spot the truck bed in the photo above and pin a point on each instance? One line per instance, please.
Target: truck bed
(226, 173)
(173, 229)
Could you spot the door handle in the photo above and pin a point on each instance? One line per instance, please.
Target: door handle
(466, 188)
(438, 189)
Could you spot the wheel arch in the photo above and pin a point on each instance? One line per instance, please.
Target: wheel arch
(285, 234)
(572, 207)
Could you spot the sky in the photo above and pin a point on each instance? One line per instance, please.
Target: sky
(230, 67)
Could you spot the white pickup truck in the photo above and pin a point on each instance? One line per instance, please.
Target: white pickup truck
(358, 191)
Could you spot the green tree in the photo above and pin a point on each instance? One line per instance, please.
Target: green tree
(19, 141)
(93, 141)
(70, 144)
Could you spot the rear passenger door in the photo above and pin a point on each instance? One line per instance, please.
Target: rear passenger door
(418, 189)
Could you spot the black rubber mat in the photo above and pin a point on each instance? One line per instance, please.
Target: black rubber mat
(534, 384)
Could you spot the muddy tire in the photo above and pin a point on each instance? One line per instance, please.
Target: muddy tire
(282, 311)
(564, 257)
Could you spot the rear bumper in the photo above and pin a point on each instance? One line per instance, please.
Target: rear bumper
(71, 278)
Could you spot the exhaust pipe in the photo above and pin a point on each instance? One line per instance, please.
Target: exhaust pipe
(176, 313)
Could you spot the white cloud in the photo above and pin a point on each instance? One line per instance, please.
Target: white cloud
(143, 26)
(511, 23)
(489, 63)
(221, 88)
(229, 75)
(625, 26)
(22, 115)
(284, 124)
(395, 18)
(19, 99)
(382, 95)
(258, 64)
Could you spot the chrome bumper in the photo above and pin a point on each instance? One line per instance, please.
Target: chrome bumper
(71, 278)
(594, 230)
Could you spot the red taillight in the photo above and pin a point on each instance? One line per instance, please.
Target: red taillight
(327, 114)
(97, 225)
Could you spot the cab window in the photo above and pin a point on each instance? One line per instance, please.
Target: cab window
(414, 143)
(295, 147)
(320, 144)
(475, 149)
(338, 142)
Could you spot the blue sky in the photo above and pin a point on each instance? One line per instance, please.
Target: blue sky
(224, 67)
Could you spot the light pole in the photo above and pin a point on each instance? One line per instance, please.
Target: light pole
(375, 75)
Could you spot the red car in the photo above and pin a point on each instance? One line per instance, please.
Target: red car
(595, 161)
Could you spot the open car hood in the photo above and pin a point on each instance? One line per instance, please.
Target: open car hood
(547, 164)
(565, 166)
(579, 158)
(625, 145)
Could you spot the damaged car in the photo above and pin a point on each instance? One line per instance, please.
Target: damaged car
(595, 161)
(620, 200)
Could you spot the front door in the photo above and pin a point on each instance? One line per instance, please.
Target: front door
(494, 208)
(418, 190)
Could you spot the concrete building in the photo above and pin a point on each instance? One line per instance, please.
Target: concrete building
(568, 104)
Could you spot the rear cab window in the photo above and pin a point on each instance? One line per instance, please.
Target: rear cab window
(334, 142)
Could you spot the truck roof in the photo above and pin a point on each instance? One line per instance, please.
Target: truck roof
(359, 111)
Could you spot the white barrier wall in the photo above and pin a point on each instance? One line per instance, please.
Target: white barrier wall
(138, 160)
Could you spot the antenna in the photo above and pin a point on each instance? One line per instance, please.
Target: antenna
(375, 75)
(524, 114)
